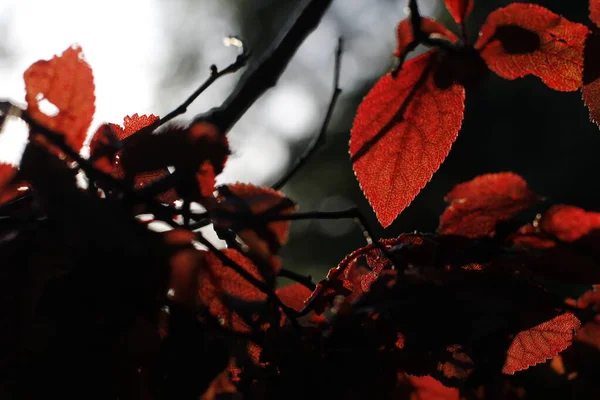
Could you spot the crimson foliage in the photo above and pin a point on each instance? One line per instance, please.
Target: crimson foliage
(98, 305)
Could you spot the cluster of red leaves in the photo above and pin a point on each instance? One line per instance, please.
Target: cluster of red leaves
(234, 290)
(461, 306)
(406, 125)
(449, 315)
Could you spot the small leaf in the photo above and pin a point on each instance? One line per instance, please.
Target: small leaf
(478, 205)
(108, 158)
(263, 238)
(591, 76)
(540, 343)
(218, 282)
(402, 132)
(404, 33)
(595, 12)
(428, 388)
(507, 44)
(67, 83)
(569, 223)
(7, 174)
(459, 9)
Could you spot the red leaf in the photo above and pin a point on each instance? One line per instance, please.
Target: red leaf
(215, 281)
(402, 132)
(219, 387)
(427, 388)
(568, 223)
(67, 82)
(404, 33)
(540, 343)
(263, 239)
(294, 295)
(523, 39)
(478, 205)
(459, 9)
(7, 174)
(595, 12)
(111, 163)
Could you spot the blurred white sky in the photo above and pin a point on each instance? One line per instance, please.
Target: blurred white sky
(130, 46)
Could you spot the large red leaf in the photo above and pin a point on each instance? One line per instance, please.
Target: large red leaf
(478, 205)
(404, 33)
(459, 9)
(403, 131)
(523, 39)
(540, 343)
(67, 82)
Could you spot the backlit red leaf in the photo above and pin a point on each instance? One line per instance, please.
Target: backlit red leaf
(404, 33)
(523, 39)
(66, 81)
(7, 174)
(109, 160)
(217, 281)
(428, 388)
(459, 9)
(402, 132)
(295, 296)
(220, 386)
(595, 12)
(569, 223)
(478, 205)
(263, 238)
(540, 343)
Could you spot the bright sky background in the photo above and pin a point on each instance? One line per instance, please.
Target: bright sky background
(129, 45)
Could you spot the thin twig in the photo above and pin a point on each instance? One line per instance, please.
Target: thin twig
(319, 139)
(264, 72)
(301, 279)
(240, 61)
(267, 216)
(58, 139)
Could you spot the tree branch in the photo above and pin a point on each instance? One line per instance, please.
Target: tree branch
(215, 74)
(320, 138)
(264, 72)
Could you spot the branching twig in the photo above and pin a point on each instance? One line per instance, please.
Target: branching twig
(319, 139)
(248, 218)
(264, 72)
(419, 37)
(94, 174)
(215, 74)
(303, 280)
